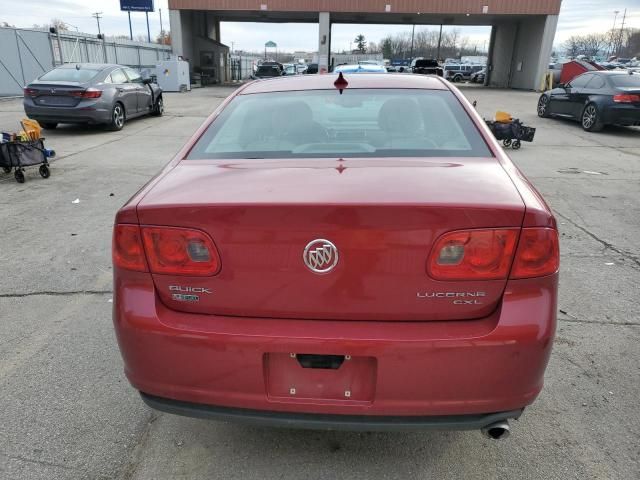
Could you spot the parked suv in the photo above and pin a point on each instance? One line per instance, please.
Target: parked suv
(428, 67)
(458, 73)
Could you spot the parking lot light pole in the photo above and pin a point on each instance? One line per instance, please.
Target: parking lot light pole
(439, 43)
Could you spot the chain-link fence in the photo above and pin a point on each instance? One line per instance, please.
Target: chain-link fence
(27, 54)
(242, 67)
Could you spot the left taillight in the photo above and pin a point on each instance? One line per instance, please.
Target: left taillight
(164, 250)
(30, 92)
(180, 251)
(127, 250)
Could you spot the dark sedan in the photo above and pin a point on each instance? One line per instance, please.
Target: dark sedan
(267, 71)
(92, 94)
(595, 99)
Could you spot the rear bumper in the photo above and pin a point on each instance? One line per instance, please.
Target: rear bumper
(420, 369)
(80, 114)
(327, 422)
(622, 115)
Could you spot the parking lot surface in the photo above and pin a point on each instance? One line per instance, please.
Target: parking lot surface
(69, 413)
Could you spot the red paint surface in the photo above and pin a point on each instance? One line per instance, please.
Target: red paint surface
(431, 357)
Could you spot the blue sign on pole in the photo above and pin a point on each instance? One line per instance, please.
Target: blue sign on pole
(136, 5)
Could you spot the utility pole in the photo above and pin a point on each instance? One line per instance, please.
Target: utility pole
(161, 29)
(413, 32)
(613, 32)
(624, 17)
(97, 16)
(439, 42)
(148, 31)
(130, 29)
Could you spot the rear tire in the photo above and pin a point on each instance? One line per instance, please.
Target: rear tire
(49, 125)
(117, 118)
(6, 169)
(591, 119)
(19, 175)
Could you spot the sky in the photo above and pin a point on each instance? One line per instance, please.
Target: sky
(576, 17)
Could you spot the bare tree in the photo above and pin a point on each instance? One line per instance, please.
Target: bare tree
(594, 43)
(573, 46)
(59, 24)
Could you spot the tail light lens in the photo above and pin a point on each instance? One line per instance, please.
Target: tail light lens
(127, 250)
(626, 98)
(180, 251)
(30, 92)
(473, 255)
(88, 93)
(538, 253)
(489, 254)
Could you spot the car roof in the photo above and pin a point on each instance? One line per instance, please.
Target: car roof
(360, 68)
(325, 82)
(610, 72)
(90, 66)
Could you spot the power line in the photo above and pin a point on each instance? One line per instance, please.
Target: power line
(97, 16)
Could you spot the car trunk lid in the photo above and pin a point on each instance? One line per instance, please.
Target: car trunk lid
(56, 94)
(383, 216)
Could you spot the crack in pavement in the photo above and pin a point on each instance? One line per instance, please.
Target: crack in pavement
(37, 462)
(595, 322)
(135, 456)
(56, 294)
(610, 246)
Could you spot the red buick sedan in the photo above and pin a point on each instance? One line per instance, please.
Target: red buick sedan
(354, 253)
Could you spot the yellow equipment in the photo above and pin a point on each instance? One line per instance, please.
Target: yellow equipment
(31, 130)
(503, 117)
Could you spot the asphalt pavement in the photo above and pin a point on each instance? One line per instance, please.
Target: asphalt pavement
(67, 411)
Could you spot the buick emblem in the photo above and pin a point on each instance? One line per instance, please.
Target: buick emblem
(320, 256)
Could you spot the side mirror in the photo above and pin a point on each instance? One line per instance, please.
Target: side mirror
(147, 81)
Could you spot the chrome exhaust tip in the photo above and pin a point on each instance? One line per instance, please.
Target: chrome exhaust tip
(497, 431)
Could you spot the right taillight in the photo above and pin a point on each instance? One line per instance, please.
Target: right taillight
(538, 253)
(626, 98)
(88, 93)
(30, 92)
(473, 254)
(489, 254)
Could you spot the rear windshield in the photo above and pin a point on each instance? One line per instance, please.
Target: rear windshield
(358, 123)
(626, 80)
(81, 75)
(268, 70)
(426, 63)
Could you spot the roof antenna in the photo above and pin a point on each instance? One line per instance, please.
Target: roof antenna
(341, 83)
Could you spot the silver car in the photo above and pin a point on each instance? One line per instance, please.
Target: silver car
(91, 94)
